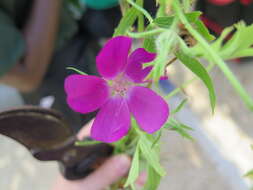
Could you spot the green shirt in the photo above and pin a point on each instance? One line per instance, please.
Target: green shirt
(100, 4)
(13, 14)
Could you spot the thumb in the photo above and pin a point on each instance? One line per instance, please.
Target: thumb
(110, 172)
(114, 169)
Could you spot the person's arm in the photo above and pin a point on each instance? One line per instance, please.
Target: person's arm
(40, 34)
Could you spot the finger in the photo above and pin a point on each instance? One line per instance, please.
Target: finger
(85, 130)
(113, 169)
(141, 179)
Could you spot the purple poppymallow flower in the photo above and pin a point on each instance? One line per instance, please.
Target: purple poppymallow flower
(119, 93)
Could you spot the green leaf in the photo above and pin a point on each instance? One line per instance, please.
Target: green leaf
(240, 39)
(134, 170)
(245, 32)
(183, 133)
(166, 21)
(186, 127)
(213, 56)
(193, 16)
(76, 70)
(201, 28)
(179, 128)
(179, 107)
(126, 22)
(153, 179)
(197, 68)
(151, 155)
(249, 174)
(159, 135)
(86, 143)
(149, 44)
(219, 42)
(239, 44)
(243, 53)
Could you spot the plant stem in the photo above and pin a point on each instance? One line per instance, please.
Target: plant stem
(76, 70)
(140, 17)
(186, 5)
(145, 34)
(143, 11)
(123, 6)
(214, 56)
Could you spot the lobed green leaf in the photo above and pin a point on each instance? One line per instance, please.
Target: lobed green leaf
(239, 45)
(166, 21)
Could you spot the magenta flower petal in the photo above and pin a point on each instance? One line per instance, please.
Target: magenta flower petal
(135, 69)
(112, 121)
(85, 93)
(112, 59)
(148, 108)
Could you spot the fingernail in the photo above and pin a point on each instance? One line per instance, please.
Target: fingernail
(122, 163)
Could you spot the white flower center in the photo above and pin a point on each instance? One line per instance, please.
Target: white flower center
(120, 85)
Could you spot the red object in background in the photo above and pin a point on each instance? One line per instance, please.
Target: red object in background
(216, 28)
(246, 2)
(213, 21)
(225, 2)
(221, 2)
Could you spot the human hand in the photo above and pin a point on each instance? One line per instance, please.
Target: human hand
(110, 172)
